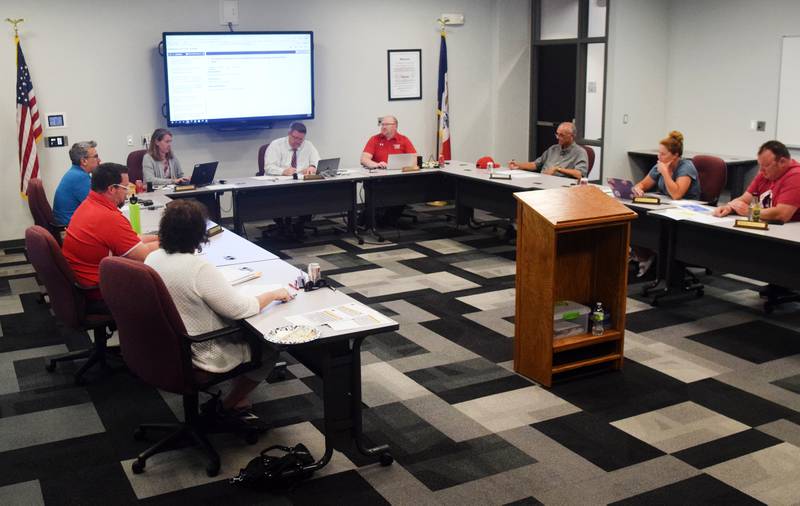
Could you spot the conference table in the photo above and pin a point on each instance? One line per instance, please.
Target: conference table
(335, 355)
(472, 188)
(738, 166)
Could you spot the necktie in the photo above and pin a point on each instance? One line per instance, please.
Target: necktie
(294, 159)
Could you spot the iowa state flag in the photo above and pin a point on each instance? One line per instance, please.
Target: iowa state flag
(443, 107)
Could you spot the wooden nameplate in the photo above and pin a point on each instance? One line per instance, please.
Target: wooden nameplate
(312, 177)
(492, 175)
(216, 229)
(753, 225)
(184, 188)
(410, 168)
(646, 200)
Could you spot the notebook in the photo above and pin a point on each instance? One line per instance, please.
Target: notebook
(203, 174)
(398, 161)
(235, 274)
(328, 167)
(622, 188)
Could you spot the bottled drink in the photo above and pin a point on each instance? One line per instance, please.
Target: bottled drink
(597, 319)
(755, 208)
(441, 160)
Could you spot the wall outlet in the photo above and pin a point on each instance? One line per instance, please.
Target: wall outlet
(761, 126)
(625, 119)
(229, 12)
(130, 139)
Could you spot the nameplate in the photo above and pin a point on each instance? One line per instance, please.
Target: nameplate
(492, 175)
(756, 225)
(410, 168)
(646, 200)
(216, 229)
(312, 177)
(184, 188)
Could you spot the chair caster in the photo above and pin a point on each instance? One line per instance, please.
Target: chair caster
(699, 293)
(769, 308)
(138, 466)
(386, 459)
(379, 237)
(79, 381)
(50, 367)
(360, 241)
(139, 434)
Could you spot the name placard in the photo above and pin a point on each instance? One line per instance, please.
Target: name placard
(492, 175)
(646, 200)
(184, 188)
(410, 168)
(755, 225)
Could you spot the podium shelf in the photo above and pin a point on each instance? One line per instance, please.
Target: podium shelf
(586, 339)
(586, 362)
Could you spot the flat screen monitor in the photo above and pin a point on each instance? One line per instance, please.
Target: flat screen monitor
(230, 78)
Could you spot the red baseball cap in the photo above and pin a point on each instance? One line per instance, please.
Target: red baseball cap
(483, 162)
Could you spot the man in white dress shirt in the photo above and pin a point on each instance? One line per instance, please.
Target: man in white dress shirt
(291, 155)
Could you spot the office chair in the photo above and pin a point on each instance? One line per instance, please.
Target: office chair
(590, 155)
(134, 163)
(712, 174)
(41, 211)
(67, 300)
(156, 348)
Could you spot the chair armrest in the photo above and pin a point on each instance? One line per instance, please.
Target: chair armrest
(86, 288)
(214, 334)
(253, 340)
(57, 226)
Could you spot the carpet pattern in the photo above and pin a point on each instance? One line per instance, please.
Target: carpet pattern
(705, 410)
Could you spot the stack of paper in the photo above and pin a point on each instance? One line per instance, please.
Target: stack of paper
(236, 274)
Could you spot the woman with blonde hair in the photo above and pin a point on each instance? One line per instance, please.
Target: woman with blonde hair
(672, 176)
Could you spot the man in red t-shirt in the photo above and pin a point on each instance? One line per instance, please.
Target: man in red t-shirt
(388, 142)
(98, 229)
(376, 156)
(777, 185)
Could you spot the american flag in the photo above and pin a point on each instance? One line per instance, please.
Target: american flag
(28, 124)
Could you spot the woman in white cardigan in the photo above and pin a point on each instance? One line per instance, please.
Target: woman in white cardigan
(205, 300)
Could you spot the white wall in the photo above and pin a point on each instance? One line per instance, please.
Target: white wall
(724, 66)
(96, 62)
(636, 81)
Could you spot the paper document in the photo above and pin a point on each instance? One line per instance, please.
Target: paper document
(235, 274)
(268, 178)
(344, 317)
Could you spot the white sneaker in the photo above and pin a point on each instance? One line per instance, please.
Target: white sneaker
(644, 266)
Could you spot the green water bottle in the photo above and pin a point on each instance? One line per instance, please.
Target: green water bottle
(135, 217)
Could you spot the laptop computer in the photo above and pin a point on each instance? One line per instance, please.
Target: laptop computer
(622, 188)
(398, 161)
(328, 167)
(203, 174)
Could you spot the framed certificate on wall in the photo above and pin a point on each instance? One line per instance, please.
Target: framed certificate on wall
(405, 74)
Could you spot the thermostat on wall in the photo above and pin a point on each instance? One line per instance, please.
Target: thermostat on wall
(56, 120)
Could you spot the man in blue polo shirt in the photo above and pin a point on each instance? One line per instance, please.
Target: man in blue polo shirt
(74, 186)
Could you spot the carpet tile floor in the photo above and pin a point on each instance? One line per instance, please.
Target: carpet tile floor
(706, 409)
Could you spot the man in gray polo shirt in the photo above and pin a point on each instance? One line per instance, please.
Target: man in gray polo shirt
(565, 159)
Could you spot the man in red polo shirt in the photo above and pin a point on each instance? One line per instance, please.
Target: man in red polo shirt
(99, 229)
(388, 142)
(376, 156)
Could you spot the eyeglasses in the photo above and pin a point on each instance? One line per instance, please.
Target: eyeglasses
(120, 186)
(388, 124)
(92, 156)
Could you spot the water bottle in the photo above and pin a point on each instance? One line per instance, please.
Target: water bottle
(755, 208)
(135, 217)
(597, 319)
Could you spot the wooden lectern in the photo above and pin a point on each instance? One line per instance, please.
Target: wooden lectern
(572, 244)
